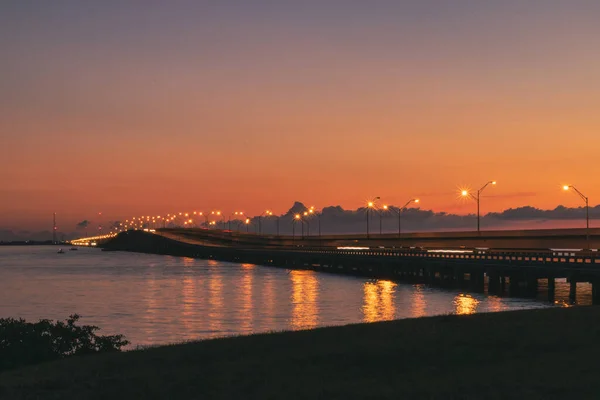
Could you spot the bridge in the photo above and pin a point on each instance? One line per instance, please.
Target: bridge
(509, 262)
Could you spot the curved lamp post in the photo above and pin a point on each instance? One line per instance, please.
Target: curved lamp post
(304, 219)
(466, 193)
(218, 214)
(384, 208)
(370, 204)
(312, 211)
(236, 213)
(247, 222)
(297, 217)
(399, 211)
(587, 212)
(266, 213)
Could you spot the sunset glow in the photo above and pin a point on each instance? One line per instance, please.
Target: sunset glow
(225, 107)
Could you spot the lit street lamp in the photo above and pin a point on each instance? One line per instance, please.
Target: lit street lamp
(266, 213)
(305, 219)
(370, 205)
(383, 209)
(240, 213)
(587, 212)
(297, 217)
(217, 214)
(399, 211)
(312, 211)
(466, 193)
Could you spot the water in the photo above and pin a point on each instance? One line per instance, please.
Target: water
(156, 299)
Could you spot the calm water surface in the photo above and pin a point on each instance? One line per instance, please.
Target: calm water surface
(156, 299)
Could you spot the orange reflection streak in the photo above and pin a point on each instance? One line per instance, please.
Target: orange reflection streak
(188, 293)
(496, 304)
(418, 302)
(215, 299)
(269, 298)
(378, 301)
(370, 302)
(305, 288)
(388, 289)
(465, 304)
(246, 294)
(150, 309)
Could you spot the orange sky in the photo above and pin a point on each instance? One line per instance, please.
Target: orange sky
(130, 111)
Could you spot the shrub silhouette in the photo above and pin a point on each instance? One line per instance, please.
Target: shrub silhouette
(23, 343)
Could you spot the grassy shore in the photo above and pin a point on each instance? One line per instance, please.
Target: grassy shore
(537, 354)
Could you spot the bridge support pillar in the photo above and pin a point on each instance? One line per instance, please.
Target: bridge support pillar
(551, 289)
(596, 291)
(459, 278)
(532, 286)
(513, 285)
(477, 281)
(493, 283)
(572, 289)
(502, 283)
(431, 276)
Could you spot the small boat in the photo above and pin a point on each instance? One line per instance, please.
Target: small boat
(60, 251)
(73, 249)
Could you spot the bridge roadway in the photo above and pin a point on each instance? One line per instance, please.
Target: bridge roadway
(527, 239)
(515, 271)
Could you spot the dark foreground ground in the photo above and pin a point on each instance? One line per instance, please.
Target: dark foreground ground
(539, 354)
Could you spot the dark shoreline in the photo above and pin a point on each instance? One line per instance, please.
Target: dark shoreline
(543, 353)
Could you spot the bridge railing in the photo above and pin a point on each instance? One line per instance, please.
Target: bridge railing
(518, 256)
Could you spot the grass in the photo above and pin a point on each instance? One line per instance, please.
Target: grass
(534, 354)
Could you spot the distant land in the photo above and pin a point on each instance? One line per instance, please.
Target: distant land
(28, 243)
(337, 220)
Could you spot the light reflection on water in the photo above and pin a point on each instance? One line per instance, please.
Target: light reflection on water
(161, 299)
(465, 304)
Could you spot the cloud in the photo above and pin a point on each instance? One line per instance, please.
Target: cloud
(83, 224)
(334, 219)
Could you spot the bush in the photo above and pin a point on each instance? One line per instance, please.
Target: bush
(24, 343)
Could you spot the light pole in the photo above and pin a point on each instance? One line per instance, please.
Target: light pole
(297, 217)
(229, 220)
(266, 213)
(466, 193)
(383, 209)
(370, 205)
(312, 211)
(400, 215)
(305, 219)
(587, 212)
(217, 214)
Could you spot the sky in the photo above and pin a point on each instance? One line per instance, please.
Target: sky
(145, 107)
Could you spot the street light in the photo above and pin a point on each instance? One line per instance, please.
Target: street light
(466, 193)
(383, 209)
(587, 212)
(370, 205)
(312, 211)
(240, 213)
(266, 213)
(305, 219)
(400, 215)
(297, 217)
(216, 214)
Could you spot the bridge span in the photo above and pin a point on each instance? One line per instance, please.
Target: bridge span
(459, 263)
(507, 239)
